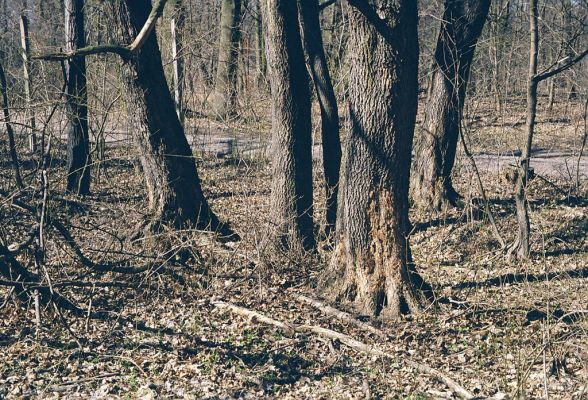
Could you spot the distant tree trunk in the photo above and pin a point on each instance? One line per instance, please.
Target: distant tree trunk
(522, 244)
(76, 102)
(291, 199)
(26, 63)
(372, 264)
(9, 130)
(260, 60)
(436, 143)
(224, 98)
(177, 26)
(173, 186)
(313, 46)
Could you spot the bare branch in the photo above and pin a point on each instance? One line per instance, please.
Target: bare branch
(121, 50)
(547, 73)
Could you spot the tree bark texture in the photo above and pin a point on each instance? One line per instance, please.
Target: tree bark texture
(436, 143)
(291, 199)
(372, 264)
(317, 62)
(76, 102)
(522, 244)
(224, 98)
(173, 186)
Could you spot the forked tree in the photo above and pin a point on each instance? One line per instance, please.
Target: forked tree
(291, 198)
(76, 101)
(224, 97)
(319, 69)
(436, 142)
(372, 264)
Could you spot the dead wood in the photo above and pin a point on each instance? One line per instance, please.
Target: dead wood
(346, 340)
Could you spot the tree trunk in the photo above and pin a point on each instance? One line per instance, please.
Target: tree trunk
(26, 64)
(224, 97)
(9, 130)
(522, 245)
(76, 102)
(436, 143)
(260, 60)
(173, 186)
(177, 26)
(291, 199)
(372, 264)
(315, 53)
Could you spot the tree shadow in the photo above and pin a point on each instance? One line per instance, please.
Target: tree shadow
(522, 278)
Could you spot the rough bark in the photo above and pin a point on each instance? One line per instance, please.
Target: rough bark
(291, 199)
(76, 102)
(372, 264)
(317, 62)
(224, 96)
(436, 142)
(173, 186)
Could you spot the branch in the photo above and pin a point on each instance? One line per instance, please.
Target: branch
(547, 74)
(156, 12)
(326, 4)
(346, 340)
(372, 16)
(122, 50)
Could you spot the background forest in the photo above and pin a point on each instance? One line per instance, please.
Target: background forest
(302, 199)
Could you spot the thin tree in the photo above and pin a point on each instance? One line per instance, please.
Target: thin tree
(436, 143)
(224, 96)
(521, 248)
(176, 28)
(317, 62)
(28, 80)
(372, 264)
(291, 198)
(76, 102)
(9, 131)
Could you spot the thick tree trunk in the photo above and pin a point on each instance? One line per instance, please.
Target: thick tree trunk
(313, 46)
(76, 102)
(291, 199)
(372, 264)
(9, 130)
(173, 186)
(224, 98)
(522, 246)
(436, 143)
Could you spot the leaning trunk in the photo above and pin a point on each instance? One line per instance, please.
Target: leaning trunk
(372, 264)
(76, 100)
(313, 46)
(291, 199)
(224, 97)
(173, 186)
(436, 145)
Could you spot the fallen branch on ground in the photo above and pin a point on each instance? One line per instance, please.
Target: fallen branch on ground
(347, 340)
(342, 315)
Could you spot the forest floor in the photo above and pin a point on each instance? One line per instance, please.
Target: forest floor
(501, 329)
